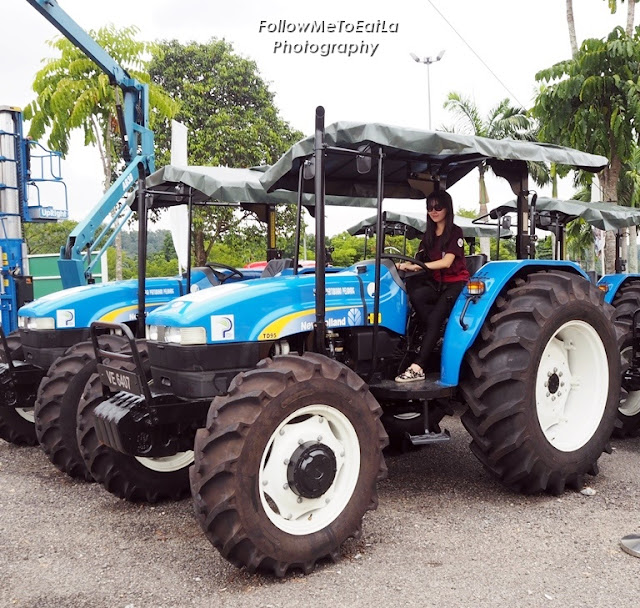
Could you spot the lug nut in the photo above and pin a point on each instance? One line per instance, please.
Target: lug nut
(285, 486)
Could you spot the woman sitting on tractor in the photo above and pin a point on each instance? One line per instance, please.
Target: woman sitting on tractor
(442, 251)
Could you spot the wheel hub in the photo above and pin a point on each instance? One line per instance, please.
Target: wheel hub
(572, 386)
(311, 469)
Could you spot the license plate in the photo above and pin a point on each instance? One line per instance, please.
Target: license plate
(120, 380)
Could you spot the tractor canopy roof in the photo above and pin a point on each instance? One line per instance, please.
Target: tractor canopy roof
(605, 216)
(173, 183)
(414, 225)
(411, 156)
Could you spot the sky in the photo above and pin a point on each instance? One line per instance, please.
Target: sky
(492, 50)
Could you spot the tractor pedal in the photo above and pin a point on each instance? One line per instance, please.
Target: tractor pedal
(428, 438)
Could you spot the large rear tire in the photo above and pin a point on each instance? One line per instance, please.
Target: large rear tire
(288, 463)
(125, 476)
(56, 408)
(626, 302)
(541, 383)
(628, 423)
(17, 423)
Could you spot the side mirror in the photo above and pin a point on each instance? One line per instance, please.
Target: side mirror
(309, 170)
(363, 163)
(506, 222)
(544, 219)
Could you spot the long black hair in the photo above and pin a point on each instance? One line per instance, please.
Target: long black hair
(443, 198)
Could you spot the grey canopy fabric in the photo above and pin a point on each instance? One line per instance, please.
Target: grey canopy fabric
(605, 216)
(407, 152)
(417, 225)
(227, 185)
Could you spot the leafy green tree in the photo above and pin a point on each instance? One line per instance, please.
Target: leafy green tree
(592, 102)
(231, 116)
(503, 121)
(48, 237)
(72, 92)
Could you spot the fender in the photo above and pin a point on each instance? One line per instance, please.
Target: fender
(613, 282)
(495, 275)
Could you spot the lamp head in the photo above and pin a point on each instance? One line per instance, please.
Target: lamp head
(415, 57)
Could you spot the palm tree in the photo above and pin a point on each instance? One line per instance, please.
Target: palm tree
(631, 10)
(572, 29)
(502, 122)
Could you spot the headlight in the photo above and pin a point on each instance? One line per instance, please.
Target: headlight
(36, 322)
(177, 335)
(152, 332)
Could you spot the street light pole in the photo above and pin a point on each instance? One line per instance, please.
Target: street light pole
(428, 61)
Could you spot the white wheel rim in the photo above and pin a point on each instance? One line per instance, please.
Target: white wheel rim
(27, 414)
(167, 464)
(285, 509)
(629, 400)
(572, 386)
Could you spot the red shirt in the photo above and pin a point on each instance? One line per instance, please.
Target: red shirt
(458, 270)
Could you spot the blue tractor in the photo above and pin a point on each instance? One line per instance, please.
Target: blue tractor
(295, 374)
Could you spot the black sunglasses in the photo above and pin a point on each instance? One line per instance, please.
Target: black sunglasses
(435, 207)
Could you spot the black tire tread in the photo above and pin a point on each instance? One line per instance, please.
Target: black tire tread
(57, 403)
(228, 420)
(494, 396)
(626, 302)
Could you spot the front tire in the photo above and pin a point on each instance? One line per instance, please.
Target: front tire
(17, 423)
(129, 477)
(541, 383)
(288, 463)
(56, 407)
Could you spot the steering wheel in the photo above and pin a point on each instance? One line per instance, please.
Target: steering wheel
(406, 258)
(221, 276)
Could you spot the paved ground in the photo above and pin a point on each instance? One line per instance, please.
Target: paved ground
(445, 535)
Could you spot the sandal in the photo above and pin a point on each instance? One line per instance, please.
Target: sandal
(410, 375)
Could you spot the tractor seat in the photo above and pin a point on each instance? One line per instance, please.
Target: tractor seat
(475, 262)
(275, 267)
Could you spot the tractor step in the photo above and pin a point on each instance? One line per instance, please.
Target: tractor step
(429, 388)
(428, 438)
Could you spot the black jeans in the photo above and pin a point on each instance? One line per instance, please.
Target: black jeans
(432, 308)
